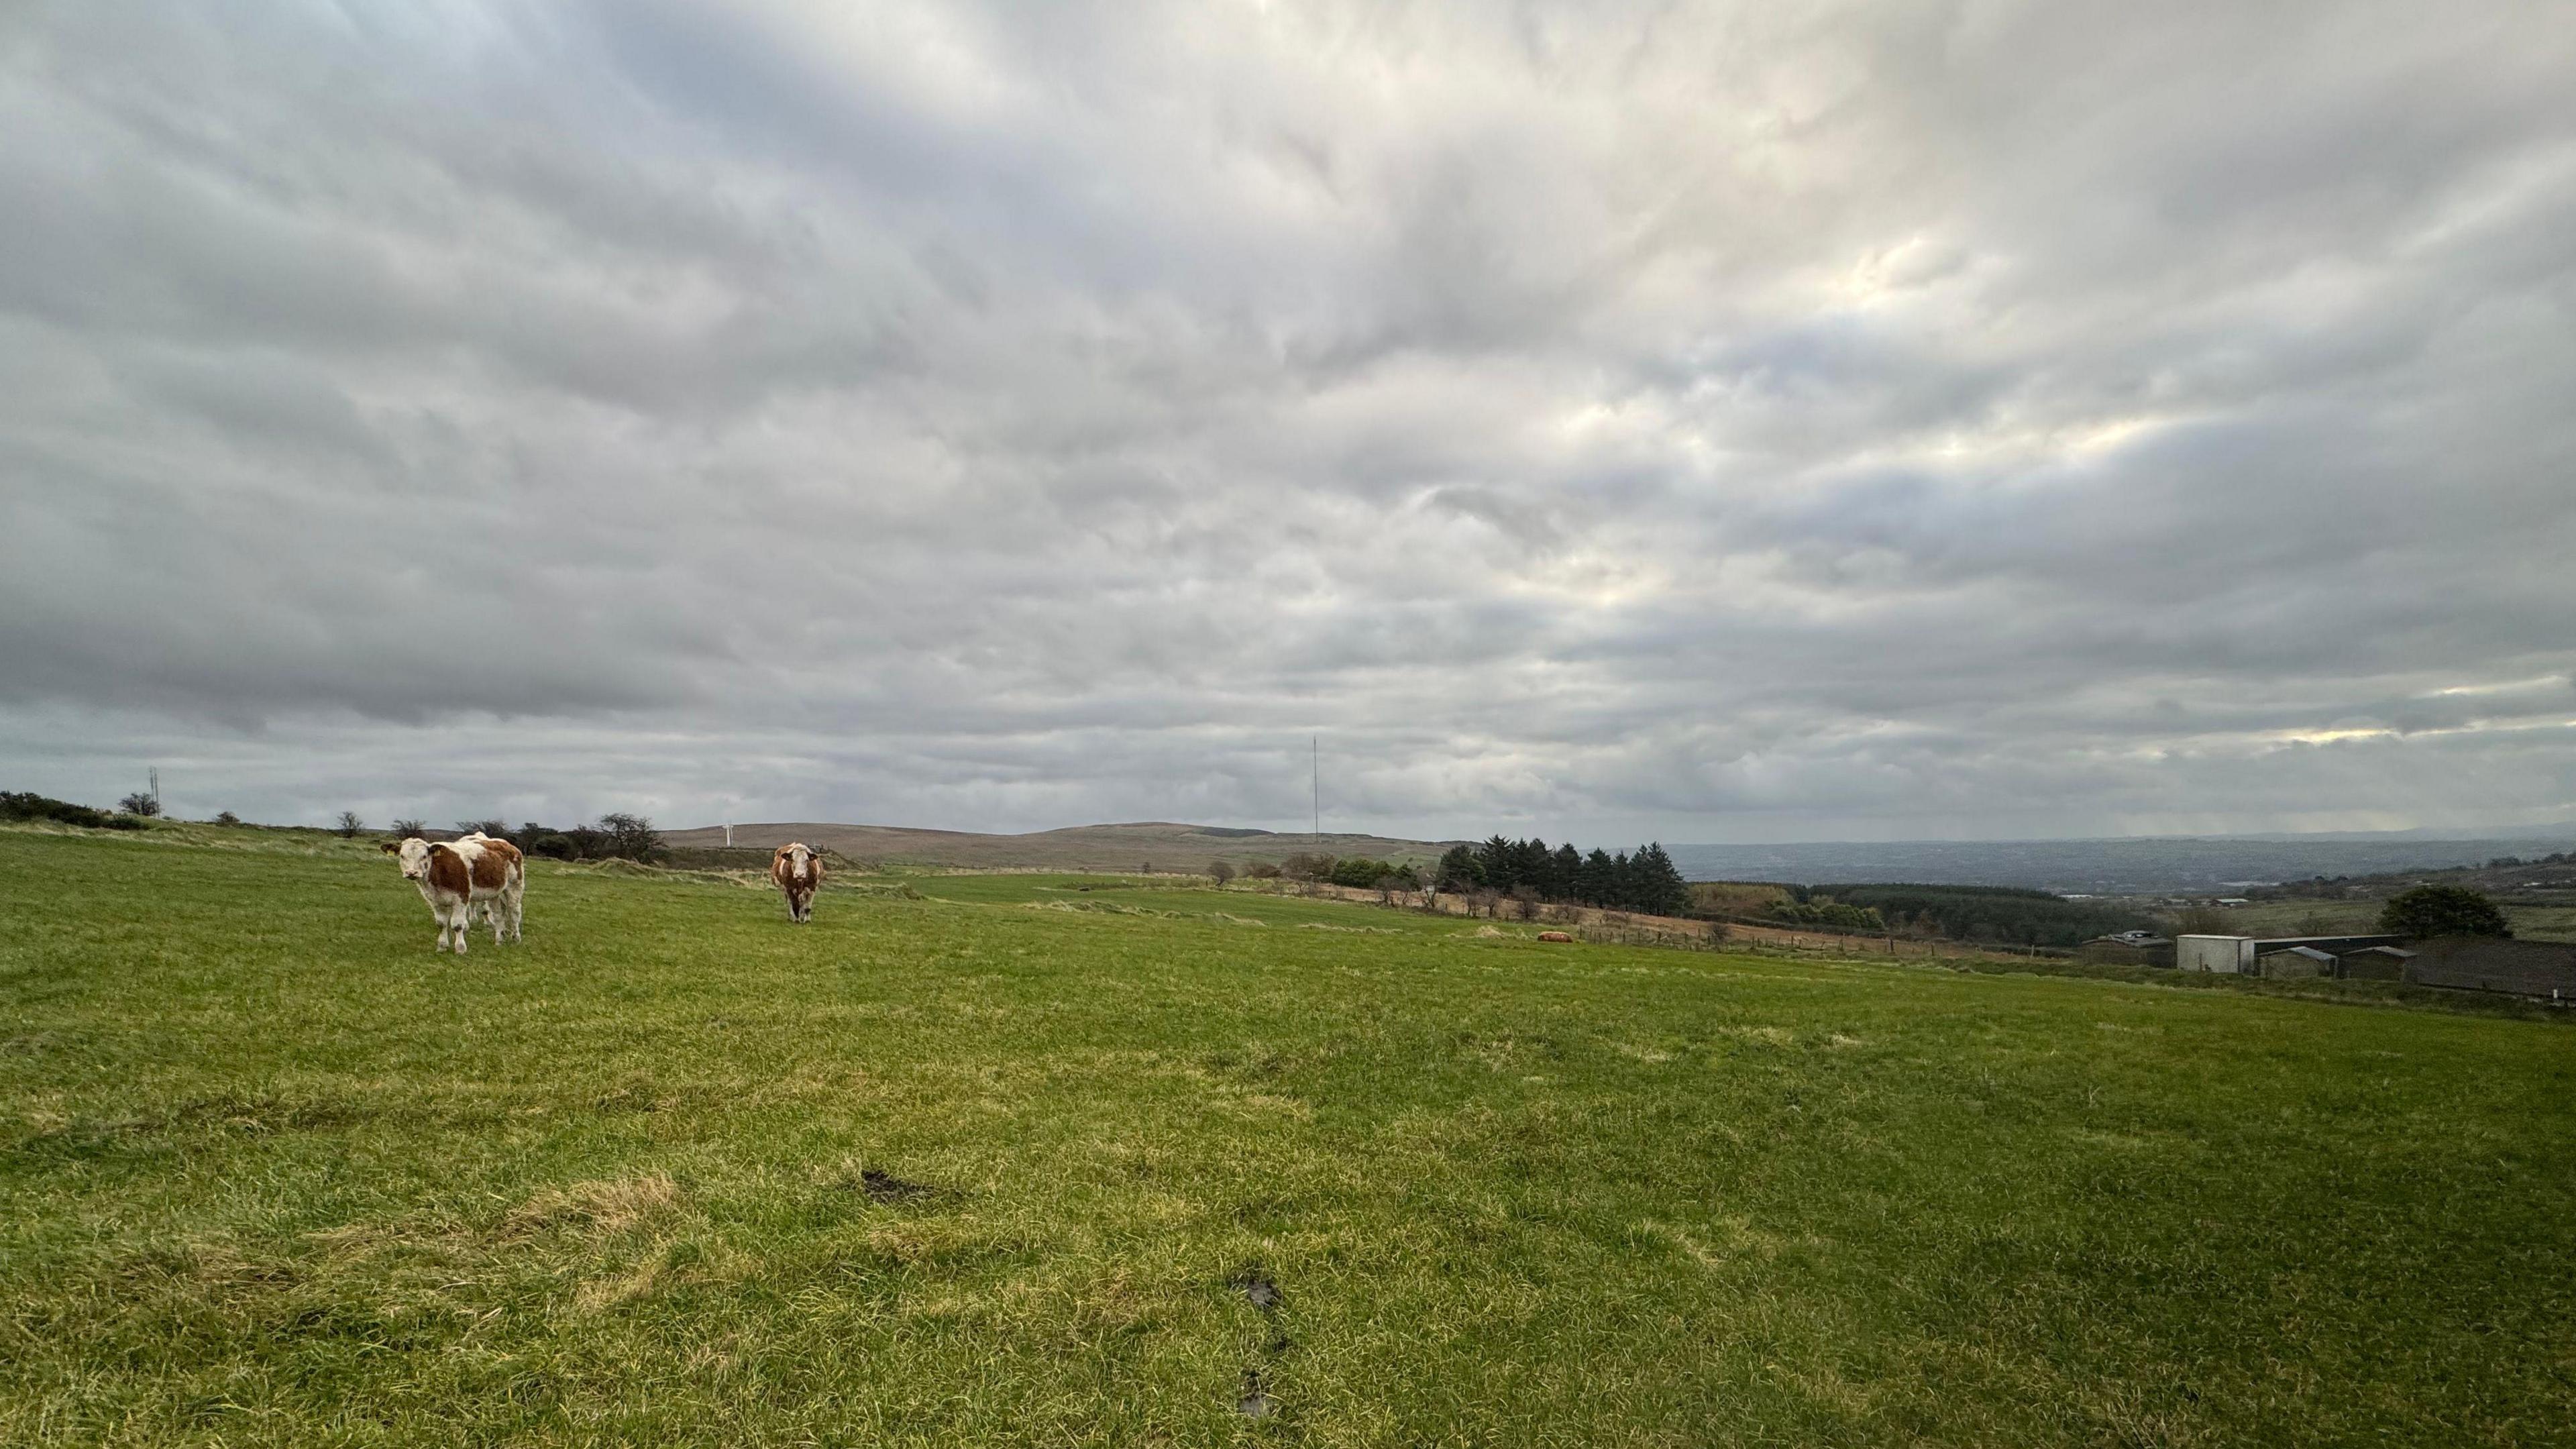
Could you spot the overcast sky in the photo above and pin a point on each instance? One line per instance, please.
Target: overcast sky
(1727, 422)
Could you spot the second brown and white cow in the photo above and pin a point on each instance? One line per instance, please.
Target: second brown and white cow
(456, 876)
(798, 869)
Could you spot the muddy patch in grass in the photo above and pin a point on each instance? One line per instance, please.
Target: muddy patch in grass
(1261, 1290)
(881, 1186)
(1255, 1402)
(1257, 1289)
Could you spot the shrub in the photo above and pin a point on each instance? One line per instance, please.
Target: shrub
(406, 829)
(141, 804)
(350, 825)
(1220, 872)
(2442, 911)
(1307, 866)
(31, 806)
(226, 817)
(1261, 870)
(1358, 873)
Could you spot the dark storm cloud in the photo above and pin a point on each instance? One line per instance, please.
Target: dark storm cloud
(1724, 421)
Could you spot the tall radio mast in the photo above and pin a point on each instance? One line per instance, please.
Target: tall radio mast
(1315, 754)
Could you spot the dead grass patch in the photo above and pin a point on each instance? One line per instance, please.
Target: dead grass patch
(605, 1207)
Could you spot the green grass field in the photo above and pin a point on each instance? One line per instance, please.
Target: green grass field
(997, 1164)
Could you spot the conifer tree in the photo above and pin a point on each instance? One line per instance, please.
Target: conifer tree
(1458, 870)
(1660, 888)
(1599, 876)
(1565, 873)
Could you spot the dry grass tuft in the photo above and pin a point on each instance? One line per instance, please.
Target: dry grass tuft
(605, 1207)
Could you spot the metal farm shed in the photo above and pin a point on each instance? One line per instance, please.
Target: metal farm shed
(2545, 969)
(2239, 953)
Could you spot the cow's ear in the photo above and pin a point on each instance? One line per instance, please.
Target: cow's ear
(391, 847)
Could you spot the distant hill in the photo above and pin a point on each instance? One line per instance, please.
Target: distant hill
(2132, 866)
(1161, 844)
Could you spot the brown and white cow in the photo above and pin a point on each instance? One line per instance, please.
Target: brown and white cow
(458, 875)
(798, 869)
(510, 897)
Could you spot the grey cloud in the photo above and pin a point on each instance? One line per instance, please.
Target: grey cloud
(1715, 422)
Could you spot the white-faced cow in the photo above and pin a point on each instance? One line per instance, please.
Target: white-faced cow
(798, 869)
(456, 876)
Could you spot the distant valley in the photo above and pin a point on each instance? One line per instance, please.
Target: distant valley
(2146, 865)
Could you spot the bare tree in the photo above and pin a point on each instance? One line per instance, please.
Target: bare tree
(226, 817)
(139, 803)
(1220, 871)
(403, 829)
(350, 824)
(631, 836)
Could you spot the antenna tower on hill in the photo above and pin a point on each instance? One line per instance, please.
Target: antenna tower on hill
(1315, 749)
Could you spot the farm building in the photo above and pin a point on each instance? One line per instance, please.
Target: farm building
(2545, 969)
(2376, 963)
(2296, 961)
(2241, 953)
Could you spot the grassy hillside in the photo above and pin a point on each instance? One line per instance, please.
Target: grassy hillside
(2296, 917)
(1161, 845)
(1012, 1162)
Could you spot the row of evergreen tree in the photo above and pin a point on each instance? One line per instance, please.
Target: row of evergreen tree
(1646, 881)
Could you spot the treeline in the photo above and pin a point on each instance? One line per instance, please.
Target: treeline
(616, 837)
(1359, 872)
(27, 805)
(1814, 908)
(1646, 881)
(1961, 913)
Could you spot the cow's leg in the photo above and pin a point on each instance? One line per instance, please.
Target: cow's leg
(460, 917)
(515, 895)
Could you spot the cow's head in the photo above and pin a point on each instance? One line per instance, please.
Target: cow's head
(413, 853)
